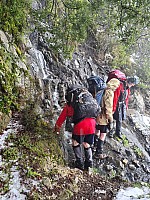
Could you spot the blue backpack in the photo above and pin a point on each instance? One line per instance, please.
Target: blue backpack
(96, 86)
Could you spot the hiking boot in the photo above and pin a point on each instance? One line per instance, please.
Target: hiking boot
(89, 170)
(100, 156)
(87, 166)
(88, 163)
(79, 165)
(119, 135)
(93, 148)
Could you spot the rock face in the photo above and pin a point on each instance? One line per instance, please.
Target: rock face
(52, 76)
(137, 101)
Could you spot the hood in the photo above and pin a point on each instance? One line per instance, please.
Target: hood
(113, 84)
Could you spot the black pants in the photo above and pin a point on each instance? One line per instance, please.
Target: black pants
(118, 117)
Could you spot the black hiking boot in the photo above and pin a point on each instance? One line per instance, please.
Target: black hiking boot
(79, 164)
(119, 135)
(88, 164)
(99, 151)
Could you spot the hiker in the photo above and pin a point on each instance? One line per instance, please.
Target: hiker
(105, 119)
(84, 124)
(122, 106)
(119, 105)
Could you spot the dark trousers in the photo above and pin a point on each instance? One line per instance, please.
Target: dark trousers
(118, 127)
(118, 117)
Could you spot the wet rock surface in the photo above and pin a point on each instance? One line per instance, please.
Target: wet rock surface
(128, 159)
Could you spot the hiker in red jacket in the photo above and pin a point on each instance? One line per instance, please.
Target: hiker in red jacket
(119, 106)
(82, 134)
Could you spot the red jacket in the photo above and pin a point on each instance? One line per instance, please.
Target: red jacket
(84, 127)
(117, 94)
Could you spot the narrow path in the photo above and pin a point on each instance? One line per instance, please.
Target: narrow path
(12, 186)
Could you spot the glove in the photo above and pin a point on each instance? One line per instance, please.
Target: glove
(57, 129)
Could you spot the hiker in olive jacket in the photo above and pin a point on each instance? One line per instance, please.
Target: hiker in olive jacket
(105, 119)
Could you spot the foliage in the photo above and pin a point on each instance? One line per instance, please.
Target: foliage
(130, 16)
(143, 86)
(137, 151)
(4, 185)
(140, 53)
(8, 77)
(125, 141)
(66, 23)
(13, 20)
(120, 56)
(13, 16)
(10, 153)
(140, 184)
(32, 173)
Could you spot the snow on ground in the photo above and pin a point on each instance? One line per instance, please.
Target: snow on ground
(134, 194)
(142, 122)
(16, 188)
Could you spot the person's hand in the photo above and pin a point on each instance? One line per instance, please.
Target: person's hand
(57, 129)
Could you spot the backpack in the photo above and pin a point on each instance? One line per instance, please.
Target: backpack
(85, 106)
(117, 74)
(96, 86)
(119, 105)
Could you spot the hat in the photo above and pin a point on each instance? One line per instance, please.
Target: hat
(133, 80)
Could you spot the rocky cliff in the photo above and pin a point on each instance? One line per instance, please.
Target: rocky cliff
(128, 158)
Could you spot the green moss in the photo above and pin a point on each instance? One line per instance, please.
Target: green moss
(137, 151)
(38, 146)
(140, 184)
(10, 153)
(125, 141)
(13, 16)
(32, 173)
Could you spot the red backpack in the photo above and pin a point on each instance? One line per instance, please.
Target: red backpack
(121, 89)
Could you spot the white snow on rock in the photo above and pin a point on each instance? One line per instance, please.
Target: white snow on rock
(17, 189)
(136, 193)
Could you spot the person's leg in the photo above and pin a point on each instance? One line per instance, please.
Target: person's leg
(76, 144)
(88, 141)
(96, 136)
(112, 131)
(118, 117)
(118, 128)
(100, 143)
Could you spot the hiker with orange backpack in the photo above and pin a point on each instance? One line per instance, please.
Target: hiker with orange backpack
(84, 109)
